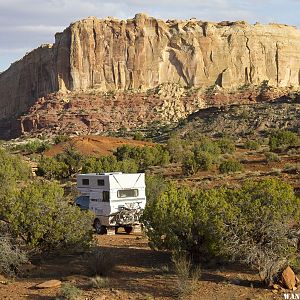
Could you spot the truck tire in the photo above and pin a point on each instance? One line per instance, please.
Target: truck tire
(100, 229)
(128, 229)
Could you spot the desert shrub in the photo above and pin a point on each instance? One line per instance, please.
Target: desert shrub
(11, 257)
(51, 168)
(196, 161)
(226, 145)
(12, 166)
(138, 136)
(282, 139)
(230, 166)
(69, 291)
(144, 156)
(72, 159)
(205, 144)
(177, 149)
(61, 139)
(187, 277)
(252, 145)
(272, 157)
(41, 216)
(35, 146)
(292, 168)
(252, 224)
(189, 164)
(109, 164)
(204, 160)
(100, 261)
(99, 282)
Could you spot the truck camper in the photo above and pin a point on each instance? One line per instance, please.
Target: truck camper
(117, 199)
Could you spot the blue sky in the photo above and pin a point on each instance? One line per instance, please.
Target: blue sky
(25, 24)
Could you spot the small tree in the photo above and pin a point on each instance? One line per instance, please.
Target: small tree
(230, 166)
(282, 139)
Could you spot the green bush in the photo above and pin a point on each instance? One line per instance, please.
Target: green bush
(230, 166)
(70, 292)
(283, 139)
(252, 145)
(199, 160)
(61, 139)
(35, 146)
(226, 145)
(41, 216)
(245, 223)
(144, 156)
(138, 136)
(51, 168)
(205, 144)
(177, 149)
(272, 157)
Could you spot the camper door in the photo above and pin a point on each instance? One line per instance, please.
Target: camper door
(99, 202)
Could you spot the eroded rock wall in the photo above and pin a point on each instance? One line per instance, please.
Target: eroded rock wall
(144, 52)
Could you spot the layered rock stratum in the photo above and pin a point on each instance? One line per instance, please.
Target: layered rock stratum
(129, 59)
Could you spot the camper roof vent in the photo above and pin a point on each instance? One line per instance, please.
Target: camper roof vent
(109, 173)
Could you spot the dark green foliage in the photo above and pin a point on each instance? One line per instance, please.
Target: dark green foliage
(283, 139)
(230, 166)
(37, 211)
(144, 156)
(72, 159)
(236, 223)
(44, 219)
(35, 146)
(61, 139)
(205, 144)
(226, 145)
(64, 165)
(51, 168)
(138, 136)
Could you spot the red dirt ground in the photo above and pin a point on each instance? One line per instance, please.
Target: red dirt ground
(94, 145)
(140, 274)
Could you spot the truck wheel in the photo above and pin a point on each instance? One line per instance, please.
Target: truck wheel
(100, 229)
(128, 229)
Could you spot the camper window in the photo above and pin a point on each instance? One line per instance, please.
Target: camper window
(128, 193)
(85, 181)
(101, 182)
(105, 196)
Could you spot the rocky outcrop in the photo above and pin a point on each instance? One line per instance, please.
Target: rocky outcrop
(142, 53)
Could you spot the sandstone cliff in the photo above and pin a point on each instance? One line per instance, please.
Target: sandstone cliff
(143, 53)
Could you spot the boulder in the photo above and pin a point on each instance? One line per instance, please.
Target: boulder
(49, 284)
(288, 278)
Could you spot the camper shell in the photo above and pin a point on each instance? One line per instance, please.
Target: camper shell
(117, 199)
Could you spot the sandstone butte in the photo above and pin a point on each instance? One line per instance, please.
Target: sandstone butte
(143, 53)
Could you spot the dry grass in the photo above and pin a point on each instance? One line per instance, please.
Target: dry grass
(99, 261)
(187, 276)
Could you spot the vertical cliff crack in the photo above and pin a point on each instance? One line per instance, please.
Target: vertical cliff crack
(95, 46)
(250, 59)
(277, 63)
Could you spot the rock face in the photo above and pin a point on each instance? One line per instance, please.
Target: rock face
(288, 278)
(143, 53)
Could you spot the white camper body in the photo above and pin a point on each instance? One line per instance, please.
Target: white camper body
(117, 199)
